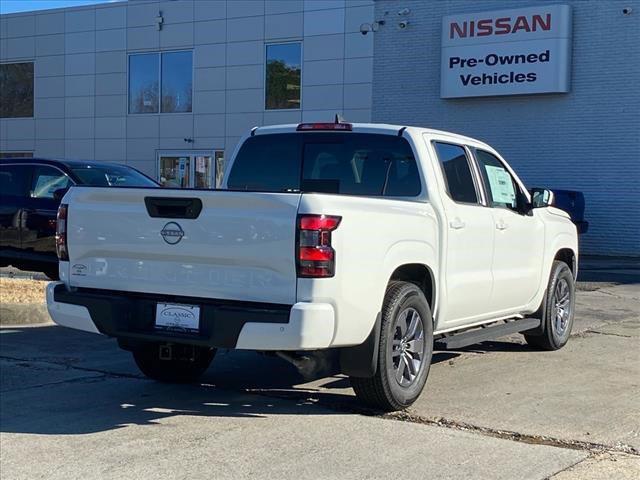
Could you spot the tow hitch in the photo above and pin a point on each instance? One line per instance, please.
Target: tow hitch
(169, 351)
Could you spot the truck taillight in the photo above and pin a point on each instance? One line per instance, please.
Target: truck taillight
(316, 256)
(61, 232)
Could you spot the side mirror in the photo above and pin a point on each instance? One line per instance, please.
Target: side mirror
(541, 197)
(58, 194)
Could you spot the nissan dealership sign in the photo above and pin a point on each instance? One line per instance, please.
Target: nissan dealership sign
(506, 52)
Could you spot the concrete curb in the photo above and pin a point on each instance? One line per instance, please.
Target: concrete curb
(24, 314)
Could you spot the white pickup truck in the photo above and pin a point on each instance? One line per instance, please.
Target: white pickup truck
(368, 241)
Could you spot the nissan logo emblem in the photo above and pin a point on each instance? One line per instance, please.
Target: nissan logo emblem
(172, 233)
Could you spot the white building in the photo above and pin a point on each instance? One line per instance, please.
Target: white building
(148, 83)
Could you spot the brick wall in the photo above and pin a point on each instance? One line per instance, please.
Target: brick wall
(587, 140)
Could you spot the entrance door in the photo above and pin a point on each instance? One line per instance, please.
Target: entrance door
(188, 169)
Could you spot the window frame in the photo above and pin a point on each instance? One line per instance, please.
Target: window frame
(160, 53)
(475, 174)
(33, 88)
(264, 76)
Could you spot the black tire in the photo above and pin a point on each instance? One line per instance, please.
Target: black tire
(556, 313)
(52, 273)
(187, 365)
(384, 391)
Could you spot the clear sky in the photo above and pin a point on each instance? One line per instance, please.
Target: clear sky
(12, 6)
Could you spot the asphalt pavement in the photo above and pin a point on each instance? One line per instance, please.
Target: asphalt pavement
(72, 405)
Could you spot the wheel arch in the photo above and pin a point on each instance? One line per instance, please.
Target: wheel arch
(570, 257)
(405, 261)
(419, 274)
(415, 262)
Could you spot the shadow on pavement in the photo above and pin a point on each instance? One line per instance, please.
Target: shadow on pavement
(60, 381)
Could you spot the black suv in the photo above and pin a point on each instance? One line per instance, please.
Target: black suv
(30, 193)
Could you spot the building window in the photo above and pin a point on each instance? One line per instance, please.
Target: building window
(283, 76)
(160, 82)
(16, 90)
(16, 154)
(177, 68)
(144, 83)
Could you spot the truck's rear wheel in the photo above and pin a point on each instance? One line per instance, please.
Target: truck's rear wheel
(174, 363)
(404, 353)
(556, 312)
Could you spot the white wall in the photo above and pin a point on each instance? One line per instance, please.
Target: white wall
(80, 67)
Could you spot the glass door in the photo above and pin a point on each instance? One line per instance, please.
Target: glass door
(203, 172)
(175, 171)
(189, 169)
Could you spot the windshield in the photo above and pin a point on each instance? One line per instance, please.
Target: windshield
(112, 176)
(343, 163)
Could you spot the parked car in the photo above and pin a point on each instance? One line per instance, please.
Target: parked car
(368, 241)
(30, 193)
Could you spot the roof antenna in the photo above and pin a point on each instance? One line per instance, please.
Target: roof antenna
(339, 118)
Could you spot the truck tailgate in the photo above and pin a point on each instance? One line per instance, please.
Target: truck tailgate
(239, 247)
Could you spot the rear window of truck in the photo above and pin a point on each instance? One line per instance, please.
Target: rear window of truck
(343, 163)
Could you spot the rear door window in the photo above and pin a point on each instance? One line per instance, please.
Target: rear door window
(13, 180)
(339, 163)
(46, 180)
(457, 172)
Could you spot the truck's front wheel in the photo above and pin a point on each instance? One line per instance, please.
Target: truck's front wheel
(404, 353)
(173, 363)
(556, 312)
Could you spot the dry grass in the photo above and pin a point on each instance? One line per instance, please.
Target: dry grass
(15, 290)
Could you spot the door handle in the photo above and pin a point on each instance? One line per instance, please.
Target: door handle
(457, 224)
(501, 225)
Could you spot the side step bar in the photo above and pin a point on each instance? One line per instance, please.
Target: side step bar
(456, 341)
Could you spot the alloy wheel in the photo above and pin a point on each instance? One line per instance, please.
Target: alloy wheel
(407, 348)
(561, 302)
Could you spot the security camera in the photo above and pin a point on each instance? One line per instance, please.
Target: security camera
(627, 11)
(402, 25)
(404, 11)
(365, 28)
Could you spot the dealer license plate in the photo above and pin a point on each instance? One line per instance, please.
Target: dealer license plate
(176, 317)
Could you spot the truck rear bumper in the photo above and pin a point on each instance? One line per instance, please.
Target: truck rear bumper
(130, 317)
(67, 314)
